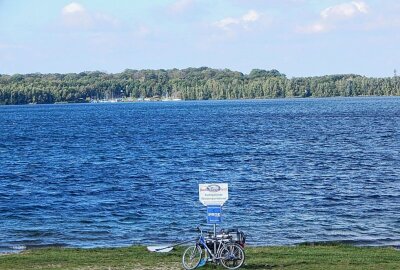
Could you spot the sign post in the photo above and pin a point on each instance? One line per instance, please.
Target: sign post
(213, 196)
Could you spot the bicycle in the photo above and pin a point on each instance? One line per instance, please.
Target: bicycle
(226, 252)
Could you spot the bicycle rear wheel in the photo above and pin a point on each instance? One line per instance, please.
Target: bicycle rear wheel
(232, 256)
(191, 257)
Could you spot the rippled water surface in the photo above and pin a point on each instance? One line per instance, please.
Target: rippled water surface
(298, 170)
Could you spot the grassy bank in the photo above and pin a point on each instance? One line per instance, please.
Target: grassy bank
(335, 257)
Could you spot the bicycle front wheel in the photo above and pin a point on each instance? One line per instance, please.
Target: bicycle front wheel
(232, 256)
(191, 257)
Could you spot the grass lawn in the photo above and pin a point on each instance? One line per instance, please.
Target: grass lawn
(335, 257)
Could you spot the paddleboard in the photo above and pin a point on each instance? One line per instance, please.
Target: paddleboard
(159, 248)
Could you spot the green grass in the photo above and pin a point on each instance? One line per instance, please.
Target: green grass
(335, 257)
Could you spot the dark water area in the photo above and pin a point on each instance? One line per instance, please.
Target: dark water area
(102, 175)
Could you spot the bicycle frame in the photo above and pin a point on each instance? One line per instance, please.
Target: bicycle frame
(219, 243)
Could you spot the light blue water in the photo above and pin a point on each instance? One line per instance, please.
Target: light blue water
(298, 170)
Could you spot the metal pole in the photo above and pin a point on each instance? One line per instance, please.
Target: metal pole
(215, 237)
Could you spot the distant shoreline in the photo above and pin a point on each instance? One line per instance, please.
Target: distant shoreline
(191, 100)
(185, 84)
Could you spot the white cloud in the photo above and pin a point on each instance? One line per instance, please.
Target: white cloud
(243, 21)
(251, 16)
(345, 10)
(75, 15)
(361, 6)
(330, 17)
(226, 23)
(73, 8)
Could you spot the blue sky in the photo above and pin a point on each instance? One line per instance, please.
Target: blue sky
(297, 37)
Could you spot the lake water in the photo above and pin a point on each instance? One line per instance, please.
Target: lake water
(299, 170)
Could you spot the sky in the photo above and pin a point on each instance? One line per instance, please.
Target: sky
(297, 37)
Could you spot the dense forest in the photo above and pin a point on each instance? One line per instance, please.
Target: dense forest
(188, 84)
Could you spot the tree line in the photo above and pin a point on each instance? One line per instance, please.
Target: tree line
(188, 84)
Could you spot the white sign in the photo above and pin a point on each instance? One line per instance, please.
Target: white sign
(213, 194)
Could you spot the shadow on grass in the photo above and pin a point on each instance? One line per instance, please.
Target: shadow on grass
(272, 266)
(258, 266)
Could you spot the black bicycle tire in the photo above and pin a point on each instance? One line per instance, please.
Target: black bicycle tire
(242, 260)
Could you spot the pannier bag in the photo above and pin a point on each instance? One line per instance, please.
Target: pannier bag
(237, 236)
